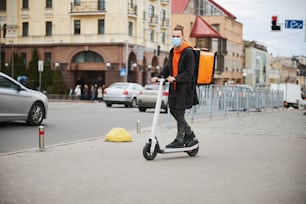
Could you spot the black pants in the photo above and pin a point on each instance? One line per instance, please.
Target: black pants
(182, 125)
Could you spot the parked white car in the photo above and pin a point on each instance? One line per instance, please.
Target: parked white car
(20, 103)
(122, 93)
(149, 97)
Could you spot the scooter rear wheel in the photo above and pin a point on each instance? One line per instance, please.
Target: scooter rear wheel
(193, 152)
(146, 152)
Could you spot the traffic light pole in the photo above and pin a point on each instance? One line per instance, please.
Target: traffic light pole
(305, 31)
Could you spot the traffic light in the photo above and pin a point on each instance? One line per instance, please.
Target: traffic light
(274, 25)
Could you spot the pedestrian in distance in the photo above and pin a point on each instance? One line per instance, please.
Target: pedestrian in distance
(85, 92)
(100, 93)
(77, 91)
(179, 73)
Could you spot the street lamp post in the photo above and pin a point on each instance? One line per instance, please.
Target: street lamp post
(12, 59)
(126, 60)
(0, 47)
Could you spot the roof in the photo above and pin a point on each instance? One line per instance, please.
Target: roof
(226, 12)
(179, 6)
(202, 29)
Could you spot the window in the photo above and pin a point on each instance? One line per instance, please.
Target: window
(101, 26)
(151, 11)
(203, 43)
(77, 27)
(101, 4)
(162, 15)
(87, 56)
(5, 83)
(23, 57)
(163, 38)
(48, 28)
(152, 35)
(130, 28)
(2, 5)
(48, 58)
(199, 6)
(25, 29)
(25, 4)
(77, 2)
(132, 3)
(48, 3)
(216, 27)
(4, 31)
(2, 55)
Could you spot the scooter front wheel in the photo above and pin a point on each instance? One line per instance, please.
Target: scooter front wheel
(146, 152)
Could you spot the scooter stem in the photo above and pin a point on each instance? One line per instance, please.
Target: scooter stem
(157, 108)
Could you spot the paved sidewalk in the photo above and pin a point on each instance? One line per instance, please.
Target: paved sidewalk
(254, 158)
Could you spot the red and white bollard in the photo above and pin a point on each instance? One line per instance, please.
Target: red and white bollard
(41, 135)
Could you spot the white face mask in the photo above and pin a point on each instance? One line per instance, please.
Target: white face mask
(176, 42)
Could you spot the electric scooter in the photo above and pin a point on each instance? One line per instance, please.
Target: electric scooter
(152, 147)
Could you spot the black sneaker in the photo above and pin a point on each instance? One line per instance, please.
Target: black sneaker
(175, 144)
(188, 138)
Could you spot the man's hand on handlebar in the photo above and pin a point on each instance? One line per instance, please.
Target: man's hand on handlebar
(154, 79)
(170, 79)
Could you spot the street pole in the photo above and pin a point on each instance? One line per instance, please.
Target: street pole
(305, 31)
(126, 60)
(0, 47)
(12, 59)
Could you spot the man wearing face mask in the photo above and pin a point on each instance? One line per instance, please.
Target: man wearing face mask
(179, 72)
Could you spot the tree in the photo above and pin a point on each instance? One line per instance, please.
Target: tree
(19, 66)
(58, 84)
(51, 80)
(33, 75)
(46, 77)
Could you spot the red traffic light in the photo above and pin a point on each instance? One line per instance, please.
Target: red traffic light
(274, 18)
(274, 25)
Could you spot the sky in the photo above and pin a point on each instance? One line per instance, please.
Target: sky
(256, 16)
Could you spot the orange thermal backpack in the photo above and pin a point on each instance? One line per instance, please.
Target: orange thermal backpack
(204, 66)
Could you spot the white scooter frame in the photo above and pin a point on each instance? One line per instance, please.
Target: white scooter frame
(152, 147)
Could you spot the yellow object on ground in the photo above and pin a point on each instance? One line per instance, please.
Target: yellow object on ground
(118, 135)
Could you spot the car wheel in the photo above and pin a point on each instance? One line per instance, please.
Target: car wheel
(134, 103)
(141, 109)
(108, 104)
(36, 114)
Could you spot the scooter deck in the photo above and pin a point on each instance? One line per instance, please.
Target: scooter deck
(183, 149)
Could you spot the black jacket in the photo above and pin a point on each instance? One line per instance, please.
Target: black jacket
(184, 96)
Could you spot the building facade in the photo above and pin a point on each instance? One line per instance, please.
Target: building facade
(90, 41)
(258, 72)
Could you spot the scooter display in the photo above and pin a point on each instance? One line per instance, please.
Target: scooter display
(152, 147)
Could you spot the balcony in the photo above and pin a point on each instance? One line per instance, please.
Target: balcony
(132, 9)
(87, 8)
(165, 2)
(165, 23)
(153, 20)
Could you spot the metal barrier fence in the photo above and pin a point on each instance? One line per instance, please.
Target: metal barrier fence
(224, 100)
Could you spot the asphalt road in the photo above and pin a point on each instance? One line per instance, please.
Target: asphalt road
(73, 121)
